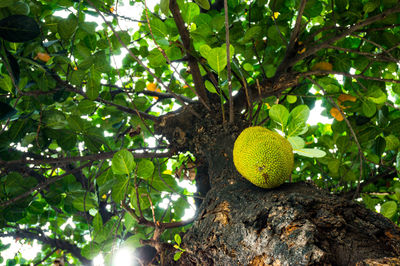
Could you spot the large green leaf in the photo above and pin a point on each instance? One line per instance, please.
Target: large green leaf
(217, 59)
(18, 28)
(92, 86)
(279, 114)
(123, 162)
(145, 168)
(66, 27)
(189, 12)
(119, 189)
(388, 209)
(313, 153)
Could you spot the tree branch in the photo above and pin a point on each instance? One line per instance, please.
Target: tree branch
(194, 68)
(293, 38)
(57, 243)
(42, 186)
(324, 72)
(312, 50)
(376, 57)
(91, 157)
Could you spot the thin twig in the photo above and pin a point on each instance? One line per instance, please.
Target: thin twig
(91, 157)
(325, 72)
(228, 61)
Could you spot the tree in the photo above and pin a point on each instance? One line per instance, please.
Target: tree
(93, 151)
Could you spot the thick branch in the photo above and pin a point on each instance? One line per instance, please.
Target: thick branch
(313, 49)
(293, 39)
(194, 68)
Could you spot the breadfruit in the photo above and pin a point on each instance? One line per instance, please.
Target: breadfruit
(263, 157)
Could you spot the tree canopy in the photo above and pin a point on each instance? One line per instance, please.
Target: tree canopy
(94, 149)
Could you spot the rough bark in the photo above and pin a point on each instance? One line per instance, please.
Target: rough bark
(295, 224)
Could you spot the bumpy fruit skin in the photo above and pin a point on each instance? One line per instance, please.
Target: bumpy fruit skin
(263, 157)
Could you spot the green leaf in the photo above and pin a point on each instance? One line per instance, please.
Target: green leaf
(296, 142)
(103, 178)
(177, 255)
(156, 58)
(66, 27)
(333, 166)
(299, 114)
(6, 83)
(66, 139)
(252, 33)
(134, 241)
(86, 106)
(164, 7)
(91, 250)
(118, 190)
(313, 8)
(97, 222)
(178, 239)
(101, 63)
(389, 209)
(279, 114)
(312, 153)
(210, 87)
(18, 28)
(295, 129)
(217, 59)
(379, 145)
(274, 33)
(37, 207)
(158, 28)
(76, 123)
(204, 4)
(205, 50)
(189, 12)
(377, 96)
(92, 87)
(122, 162)
(84, 203)
(368, 108)
(291, 98)
(145, 169)
(392, 142)
(143, 200)
(370, 6)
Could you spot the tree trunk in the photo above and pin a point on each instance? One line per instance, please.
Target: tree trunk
(294, 224)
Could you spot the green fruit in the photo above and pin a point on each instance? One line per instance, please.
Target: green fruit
(263, 157)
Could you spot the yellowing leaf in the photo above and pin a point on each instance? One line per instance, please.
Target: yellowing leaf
(322, 66)
(276, 15)
(346, 97)
(151, 87)
(336, 114)
(43, 57)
